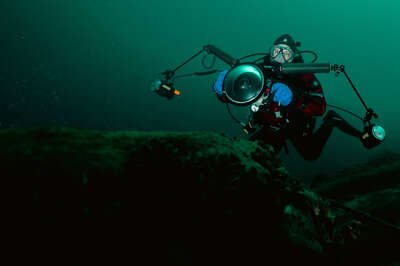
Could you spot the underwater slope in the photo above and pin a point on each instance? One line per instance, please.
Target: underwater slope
(172, 198)
(373, 189)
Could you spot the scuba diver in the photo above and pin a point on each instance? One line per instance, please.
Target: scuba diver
(284, 96)
(291, 106)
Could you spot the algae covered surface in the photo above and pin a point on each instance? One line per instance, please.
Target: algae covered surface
(183, 198)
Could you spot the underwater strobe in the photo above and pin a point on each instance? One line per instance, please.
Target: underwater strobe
(164, 88)
(373, 135)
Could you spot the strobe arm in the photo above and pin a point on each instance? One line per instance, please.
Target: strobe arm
(369, 112)
(373, 134)
(300, 68)
(211, 49)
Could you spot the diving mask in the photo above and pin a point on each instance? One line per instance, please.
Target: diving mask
(282, 53)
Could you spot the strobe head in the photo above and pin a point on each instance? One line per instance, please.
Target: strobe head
(164, 89)
(373, 135)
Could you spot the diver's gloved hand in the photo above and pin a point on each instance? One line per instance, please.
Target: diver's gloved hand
(217, 88)
(283, 95)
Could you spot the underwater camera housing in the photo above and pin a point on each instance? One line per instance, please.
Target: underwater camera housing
(373, 135)
(243, 84)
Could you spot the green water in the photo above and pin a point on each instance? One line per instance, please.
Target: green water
(89, 63)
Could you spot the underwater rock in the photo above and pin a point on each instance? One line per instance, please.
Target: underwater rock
(171, 198)
(372, 190)
(378, 173)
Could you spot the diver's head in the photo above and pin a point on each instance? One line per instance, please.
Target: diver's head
(283, 50)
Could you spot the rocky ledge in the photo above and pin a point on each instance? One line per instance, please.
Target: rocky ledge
(180, 198)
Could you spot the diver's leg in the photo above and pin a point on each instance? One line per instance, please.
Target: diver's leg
(311, 146)
(333, 118)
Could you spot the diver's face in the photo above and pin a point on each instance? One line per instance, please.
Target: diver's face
(281, 53)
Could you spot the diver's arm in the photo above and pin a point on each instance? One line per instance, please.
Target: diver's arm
(218, 86)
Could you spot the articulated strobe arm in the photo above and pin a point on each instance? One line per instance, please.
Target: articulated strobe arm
(211, 49)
